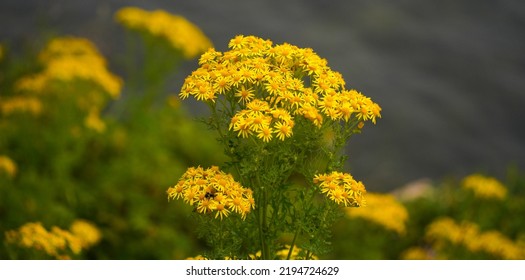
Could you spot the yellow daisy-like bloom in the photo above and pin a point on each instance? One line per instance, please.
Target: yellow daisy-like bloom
(342, 188)
(177, 30)
(69, 58)
(245, 95)
(384, 210)
(468, 235)
(485, 187)
(7, 166)
(285, 78)
(212, 191)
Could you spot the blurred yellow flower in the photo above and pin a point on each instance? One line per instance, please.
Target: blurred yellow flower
(20, 104)
(447, 229)
(87, 233)
(485, 187)
(56, 243)
(468, 235)
(384, 210)
(177, 30)
(7, 166)
(497, 244)
(69, 58)
(94, 122)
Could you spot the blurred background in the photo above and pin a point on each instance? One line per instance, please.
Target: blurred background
(449, 75)
(93, 157)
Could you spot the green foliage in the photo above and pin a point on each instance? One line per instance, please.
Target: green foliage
(116, 178)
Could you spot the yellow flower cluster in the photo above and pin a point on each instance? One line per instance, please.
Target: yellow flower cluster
(212, 190)
(20, 104)
(258, 118)
(468, 235)
(7, 166)
(56, 242)
(281, 81)
(342, 188)
(69, 58)
(177, 30)
(384, 210)
(485, 187)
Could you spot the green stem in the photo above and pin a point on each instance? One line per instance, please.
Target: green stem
(265, 225)
(221, 243)
(263, 209)
(293, 244)
(308, 255)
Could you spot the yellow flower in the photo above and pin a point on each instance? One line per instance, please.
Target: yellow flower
(484, 187)
(60, 238)
(468, 235)
(87, 233)
(212, 191)
(237, 42)
(176, 30)
(384, 210)
(265, 133)
(69, 58)
(20, 104)
(243, 126)
(94, 122)
(447, 229)
(56, 242)
(221, 210)
(245, 95)
(497, 244)
(341, 188)
(283, 130)
(7, 166)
